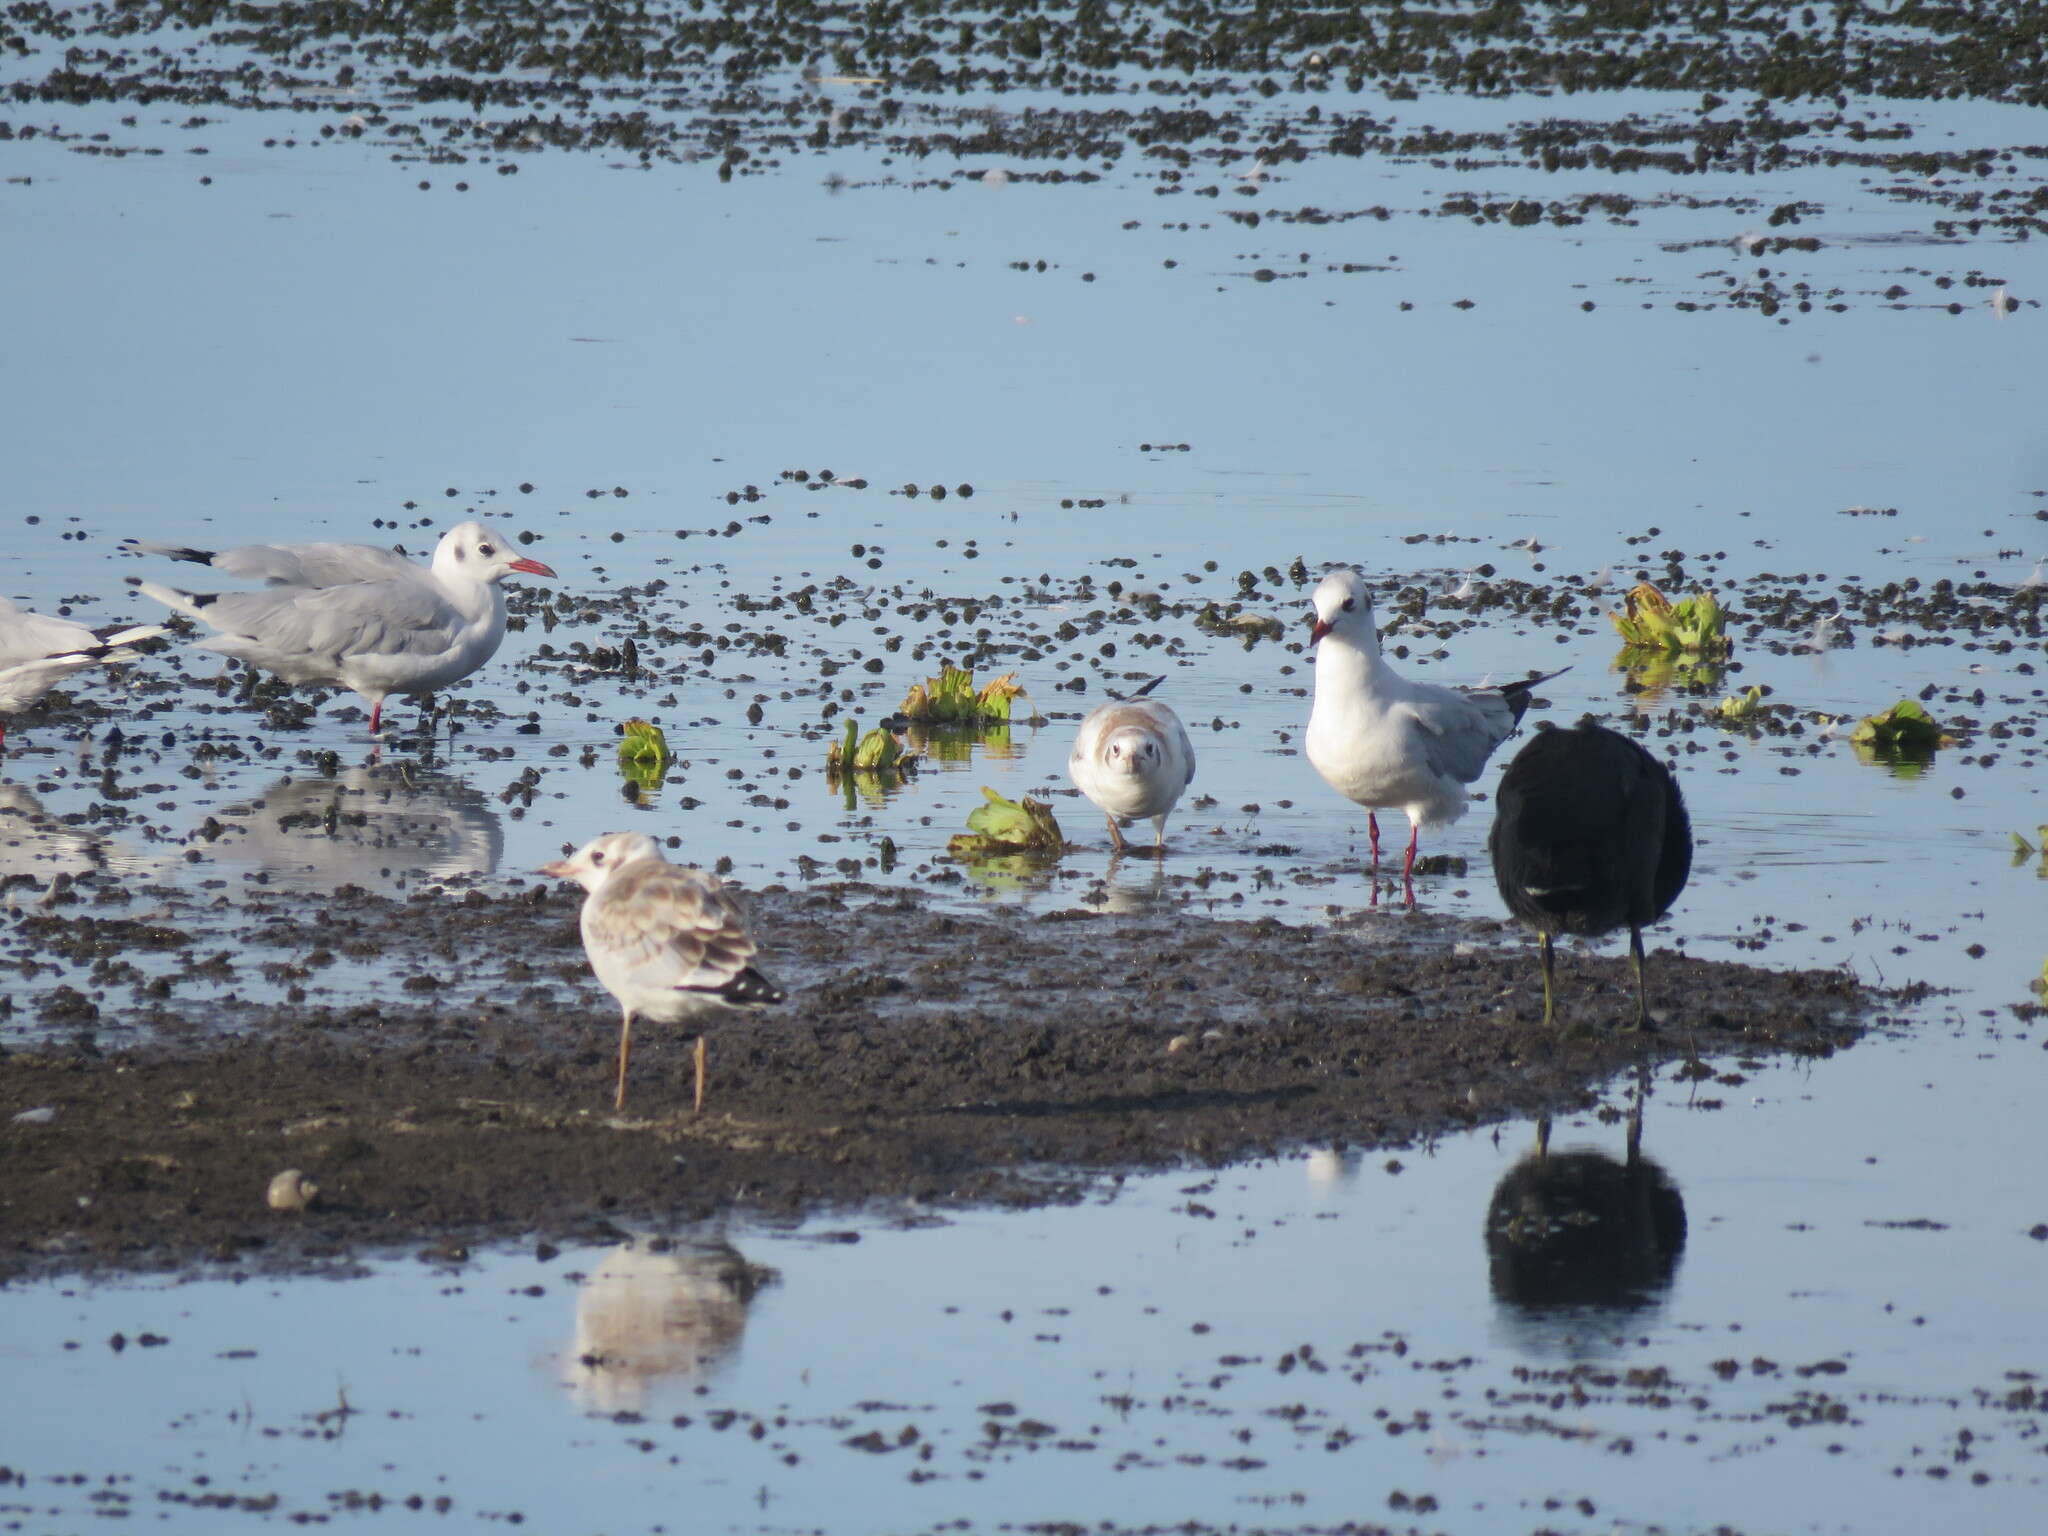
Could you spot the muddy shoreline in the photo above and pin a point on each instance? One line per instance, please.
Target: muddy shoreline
(925, 1060)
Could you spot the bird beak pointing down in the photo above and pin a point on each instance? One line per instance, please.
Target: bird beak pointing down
(1317, 631)
(529, 565)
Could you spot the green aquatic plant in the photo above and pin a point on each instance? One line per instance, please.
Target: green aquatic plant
(1906, 728)
(643, 754)
(1902, 739)
(1741, 709)
(881, 750)
(952, 699)
(1693, 626)
(1000, 827)
(868, 765)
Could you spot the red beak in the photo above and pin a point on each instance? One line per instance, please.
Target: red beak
(531, 566)
(1317, 631)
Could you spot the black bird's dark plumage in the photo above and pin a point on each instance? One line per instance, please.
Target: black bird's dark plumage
(1590, 834)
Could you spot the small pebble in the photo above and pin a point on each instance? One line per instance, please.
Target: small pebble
(292, 1191)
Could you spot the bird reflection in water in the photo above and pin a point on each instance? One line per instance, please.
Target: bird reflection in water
(42, 846)
(1578, 1242)
(1134, 885)
(370, 825)
(655, 1309)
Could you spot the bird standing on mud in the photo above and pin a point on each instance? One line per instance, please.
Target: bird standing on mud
(1589, 834)
(1385, 742)
(1133, 758)
(38, 652)
(364, 618)
(668, 941)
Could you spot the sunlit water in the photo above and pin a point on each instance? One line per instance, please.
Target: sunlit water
(1847, 1321)
(307, 346)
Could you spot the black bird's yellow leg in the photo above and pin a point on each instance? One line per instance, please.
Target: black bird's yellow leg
(1635, 952)
(699, 1107)
(1549, 963)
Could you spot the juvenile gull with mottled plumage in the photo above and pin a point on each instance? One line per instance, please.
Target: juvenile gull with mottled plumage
(668, 941)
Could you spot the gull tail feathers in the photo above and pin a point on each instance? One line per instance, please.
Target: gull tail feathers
(170, 551)
(191, 604)
(751, 989)
(1517, 694)
(135, 633)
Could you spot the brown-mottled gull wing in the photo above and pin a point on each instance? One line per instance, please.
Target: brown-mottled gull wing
(659, 925)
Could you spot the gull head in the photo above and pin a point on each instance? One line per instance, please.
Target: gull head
(1133, 751)
(602, 857)
(1343, 606)
(475, 552)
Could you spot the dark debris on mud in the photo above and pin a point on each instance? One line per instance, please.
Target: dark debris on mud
(923, 1058)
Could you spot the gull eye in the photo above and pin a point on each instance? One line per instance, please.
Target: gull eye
(1350, 603)
(597, 858)
(485, 550)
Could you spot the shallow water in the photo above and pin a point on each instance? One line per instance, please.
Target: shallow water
(1835, 1345)
(314, 345)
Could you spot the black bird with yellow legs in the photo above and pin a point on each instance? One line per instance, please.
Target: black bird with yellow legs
(1590, 834)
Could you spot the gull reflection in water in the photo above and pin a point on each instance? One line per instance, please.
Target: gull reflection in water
(39, 845)
(1333, 1169)
(654, 1309)
(1580, 1244)
(369, 825)
(1130, 885)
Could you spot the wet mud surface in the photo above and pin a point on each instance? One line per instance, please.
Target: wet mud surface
(1213, 111)
(924, 1060)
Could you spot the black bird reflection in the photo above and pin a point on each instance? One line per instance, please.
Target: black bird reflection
(657, 1308)
(1577, 1238)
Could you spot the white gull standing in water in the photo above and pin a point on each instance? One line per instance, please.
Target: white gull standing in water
(353, 615)
(668, 941)
(1133, 758)
(38, 652)
(1385, 742)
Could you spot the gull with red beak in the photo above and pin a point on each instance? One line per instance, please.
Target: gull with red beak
(1385, 742)
(357, 616)
(668, 941)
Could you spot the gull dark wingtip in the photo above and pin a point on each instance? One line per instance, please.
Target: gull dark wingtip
(752, 989)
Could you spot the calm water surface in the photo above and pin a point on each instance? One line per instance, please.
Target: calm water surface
(314, 346)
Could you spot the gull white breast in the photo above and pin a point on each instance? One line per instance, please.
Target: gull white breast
(1388, 743)
(666, 940)
(1133, 759)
